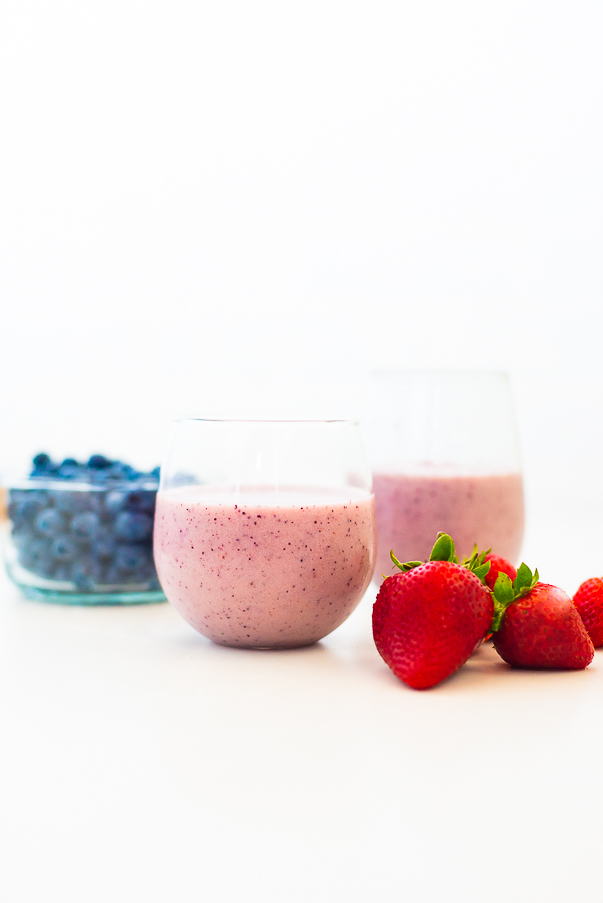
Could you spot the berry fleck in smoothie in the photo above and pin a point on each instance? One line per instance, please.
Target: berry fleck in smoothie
(263, 569)
(475, 509)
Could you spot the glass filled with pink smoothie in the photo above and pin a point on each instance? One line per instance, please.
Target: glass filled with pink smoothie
(445, 457)
(265, 531)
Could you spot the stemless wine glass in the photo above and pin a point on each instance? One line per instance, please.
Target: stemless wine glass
(265, 530)
(444, 452)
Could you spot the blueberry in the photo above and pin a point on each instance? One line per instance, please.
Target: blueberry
(63, 573)
(86, 574)
(34, 552)
(113, 576)
(141, 500)
(131, 558)
(63, 549)
(43, 466)
(45, 568)
(94, 500)
(132, 564)
(69, 472)
(70, 500)
(86, 525)
(49, 522)
(97, 477)
(134, 526)
(114, 500)
(119, 471)
(144, 574)
(137, 562)
(98, 462)
(104, 548)
(25, 504)
(42, 460)
(21, 539)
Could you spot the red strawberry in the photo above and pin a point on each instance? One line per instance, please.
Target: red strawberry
(536, 625)
(498, 564)
(429, 619)
(589, 602)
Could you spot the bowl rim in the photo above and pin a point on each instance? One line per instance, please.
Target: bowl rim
(16, 481)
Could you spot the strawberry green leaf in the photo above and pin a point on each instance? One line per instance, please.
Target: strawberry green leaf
(524, 580)
(443, 549)
(504, 595)
(473, 559)
(477, 564)
(503, 589)
(476, 558)
(481, 570)
(404, 566)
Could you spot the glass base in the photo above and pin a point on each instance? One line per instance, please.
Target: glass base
(65, 598)
(280, 647)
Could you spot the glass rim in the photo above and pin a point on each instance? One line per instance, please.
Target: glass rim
(267, 420)
(17, 481)
(440, 371)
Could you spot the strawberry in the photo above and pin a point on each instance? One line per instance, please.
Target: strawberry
(498, 564)
(537, 625)
(589, 602)
(429, 619)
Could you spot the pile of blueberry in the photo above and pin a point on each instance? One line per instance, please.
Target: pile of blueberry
(88, 525)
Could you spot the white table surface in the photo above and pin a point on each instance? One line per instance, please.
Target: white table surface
(141, 762)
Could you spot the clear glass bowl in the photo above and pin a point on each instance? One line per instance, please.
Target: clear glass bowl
(81, 543)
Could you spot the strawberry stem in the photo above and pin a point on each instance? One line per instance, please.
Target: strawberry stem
(507, 593)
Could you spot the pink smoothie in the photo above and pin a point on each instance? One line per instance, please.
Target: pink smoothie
(257, 569)
(480, 509)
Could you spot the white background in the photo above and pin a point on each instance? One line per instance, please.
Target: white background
(241, 208)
